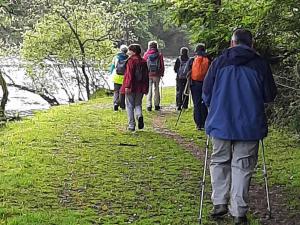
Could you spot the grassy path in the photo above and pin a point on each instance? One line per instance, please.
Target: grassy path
(77, 164)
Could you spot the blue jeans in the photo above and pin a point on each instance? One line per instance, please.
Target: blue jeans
(200, 110)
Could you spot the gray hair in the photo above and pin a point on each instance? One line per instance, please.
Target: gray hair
(184, 51)
(152, 44)
(124, 48)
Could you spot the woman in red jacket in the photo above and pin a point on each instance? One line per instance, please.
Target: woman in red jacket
(135, 85)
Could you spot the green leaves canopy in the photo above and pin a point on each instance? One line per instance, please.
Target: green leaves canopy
(213, 24)
(53, 37)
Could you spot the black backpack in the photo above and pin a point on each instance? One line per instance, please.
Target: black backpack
(141, 70)
(121, 67)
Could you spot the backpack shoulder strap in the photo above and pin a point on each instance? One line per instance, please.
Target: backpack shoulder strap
(179, 58)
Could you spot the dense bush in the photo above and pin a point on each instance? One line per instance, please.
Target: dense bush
(276, 28)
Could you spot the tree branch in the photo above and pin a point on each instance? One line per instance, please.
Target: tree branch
(83, 56)
(102, 38)
(8, 10)
(48, 98)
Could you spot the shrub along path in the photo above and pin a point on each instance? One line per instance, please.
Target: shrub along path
(285, 207)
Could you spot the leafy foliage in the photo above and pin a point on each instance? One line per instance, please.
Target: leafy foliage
(52, 37)
(276, 28)
(213, 24)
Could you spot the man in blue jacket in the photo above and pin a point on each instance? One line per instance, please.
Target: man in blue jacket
(235, 89)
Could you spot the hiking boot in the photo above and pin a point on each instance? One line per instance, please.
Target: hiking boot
(116, 108)
(179, 108)
(141, 122)
(157, 108)
(131, 129)
(149, 109)
(219, 211)
(199, 128)
(240, 220)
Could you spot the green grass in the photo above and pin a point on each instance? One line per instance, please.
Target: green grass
(66, 166)
(69, 165)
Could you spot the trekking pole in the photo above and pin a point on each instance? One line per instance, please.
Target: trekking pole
(179, 115)
(266, 179)
(186, 94)
(190, 99)
(203, 180)
(161, 89)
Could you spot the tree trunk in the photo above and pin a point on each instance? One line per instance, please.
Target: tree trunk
(4, 97)
(76, 71)
(83, 57)
(86, 77)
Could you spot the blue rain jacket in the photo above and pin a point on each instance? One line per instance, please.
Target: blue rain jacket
(235, 89)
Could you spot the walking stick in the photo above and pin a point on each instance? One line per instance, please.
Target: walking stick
(186, 94)
(161, 89)
(266, 179)
(203, 180)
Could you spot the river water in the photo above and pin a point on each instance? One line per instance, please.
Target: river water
(24, 103)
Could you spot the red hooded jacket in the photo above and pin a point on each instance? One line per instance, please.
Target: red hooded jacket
(161, 58)
(129, 78)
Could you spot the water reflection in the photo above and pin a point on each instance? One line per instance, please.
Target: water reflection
(24, 103)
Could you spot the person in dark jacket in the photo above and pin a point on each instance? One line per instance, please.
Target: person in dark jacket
(182, 100)
(135, 85)
(196, 82)
(238, 84)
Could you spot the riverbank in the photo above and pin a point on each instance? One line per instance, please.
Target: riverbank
(24, 103)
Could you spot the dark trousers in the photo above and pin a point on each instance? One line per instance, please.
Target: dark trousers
(181, 100)
(119, 99)
(200, 110)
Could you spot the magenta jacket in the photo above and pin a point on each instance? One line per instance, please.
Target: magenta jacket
(161, 58)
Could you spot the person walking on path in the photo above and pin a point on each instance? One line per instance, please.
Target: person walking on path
(118, 67)
(196, 70)
(181, 79)
(238, 84)
(155, 62)
(135, 85)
